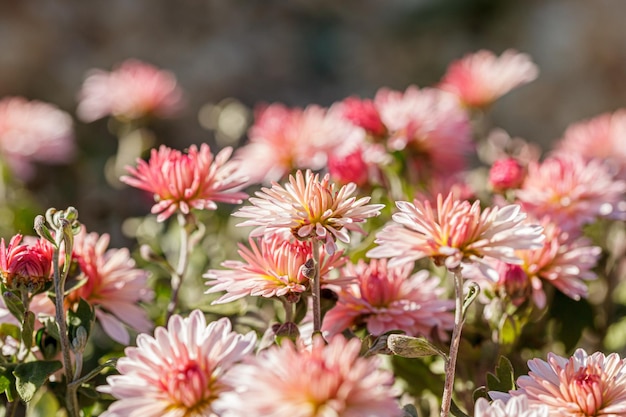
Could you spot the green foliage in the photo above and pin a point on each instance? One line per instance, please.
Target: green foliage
(411, 347)
(504, 378)
(30, 376)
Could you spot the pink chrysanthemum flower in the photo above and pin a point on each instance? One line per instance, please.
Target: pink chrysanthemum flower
(320, 380)
(385, 299)
(363, 113)
(181, 182)
(180, 372)
(572, 191)
(581, 386)
(114, 286)
(601, 137)
(131, 91)
(309, 208)
(506, 174)
(455, 232)
(33, 131)
(273, 267)
(481, 78)
(429, 125)
(514, 407)
(26, 266)
(284, 139)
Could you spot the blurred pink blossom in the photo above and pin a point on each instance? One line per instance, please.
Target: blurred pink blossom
(131, 91)
(385, 299)
(481, 78)
(309, 208)
(181, 182)
(33, 131)
(506, 174)
(315, 381)
(363, 113)
(180, 372)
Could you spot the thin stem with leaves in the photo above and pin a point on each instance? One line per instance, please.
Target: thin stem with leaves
(316, 288)
(181, 268)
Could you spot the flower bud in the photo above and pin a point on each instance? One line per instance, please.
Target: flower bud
(506, 174)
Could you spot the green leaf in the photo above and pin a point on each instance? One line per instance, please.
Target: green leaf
(84, 316)
(510, 330)
(409, 410)
(28, 328)
(456, 411)
(30, 376)
(504, 378)
(411, 347)
(7, 380)
(8, 329)
(14, 304)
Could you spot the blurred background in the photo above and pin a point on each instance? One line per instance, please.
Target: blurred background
(236, 54)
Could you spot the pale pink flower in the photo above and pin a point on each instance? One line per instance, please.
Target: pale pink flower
(180, 372)
(600, 137)
(320, 380)
(429, 125)
(114, 286)
(572, 191)
(33, 131)
(283, 139)
(131, 91)
(514, 407)
(581, 386)
(309, 208)
(385, 299)
(26, 266)
(481, 78)
(181, 182)
(273, 267)
(455, 232)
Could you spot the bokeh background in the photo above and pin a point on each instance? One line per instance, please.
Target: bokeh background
(236, 54)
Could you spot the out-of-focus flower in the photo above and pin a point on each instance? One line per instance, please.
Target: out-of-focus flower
(131, 91)
(572, 191)
(114, 286)
(455, 232)
(180, 372)
(316, 381)
(358, 163)
(309, 208)
(273, 267)
(26, 266)
(583, 385)
(284, 139)
(506, 174)
(363, 113)
(481, 78)
(514, 407)
(601, 137)
(181, 182)
(387, 299)
(500, 145)
(33, 131)
(429, 125)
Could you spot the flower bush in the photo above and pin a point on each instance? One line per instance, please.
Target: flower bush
(398, 256)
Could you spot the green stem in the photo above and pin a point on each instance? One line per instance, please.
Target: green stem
(448, 387)
(181, 268)
(316, 288)
(11, 407)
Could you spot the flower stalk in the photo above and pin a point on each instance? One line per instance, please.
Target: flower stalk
(316, 288)
(181, 268)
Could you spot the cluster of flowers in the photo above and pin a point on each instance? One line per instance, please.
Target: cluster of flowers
(406, 149)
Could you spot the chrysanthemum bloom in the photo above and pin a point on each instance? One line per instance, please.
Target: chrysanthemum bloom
(455, 232)
(181, 182)
(385, 299)
(315, 381)
(25, 266)
(365, 114)
(180, 372)
(114, 286)
(481, 78)
(572, 191)
(601, 137)
(273, 267)
(284, 139)
(309, 208)
(358, 163)
(514, 407)
(131, 91)
(33, 131)
(581, 386)
(506, 174)
(430, 126)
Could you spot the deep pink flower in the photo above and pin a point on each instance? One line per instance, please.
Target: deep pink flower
(33, 131)
(349, 168)
(180, 372)
(481, 78)
(572, 191)
(454, 232)
(131, 91)
(309, 208)
(506, 174)
(581, 386)
(429, 125)
(316, 381)
(27, 266)
(363, 113)
(181, 182)
(385, 299)
(514, 407)
(272, 268)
